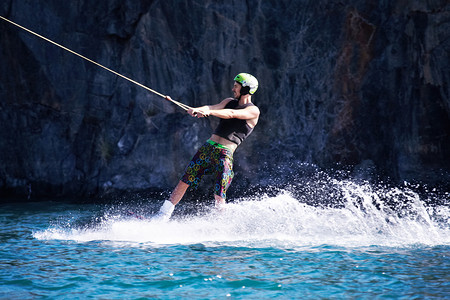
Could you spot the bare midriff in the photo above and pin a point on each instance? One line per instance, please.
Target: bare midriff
(220, 140)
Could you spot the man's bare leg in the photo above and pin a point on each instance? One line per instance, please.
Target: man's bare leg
(167, 208)
(220, 202)
(178, 192)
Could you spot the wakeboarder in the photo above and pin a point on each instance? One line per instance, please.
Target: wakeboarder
(238, 117)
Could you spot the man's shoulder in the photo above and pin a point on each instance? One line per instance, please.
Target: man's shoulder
(227, 100)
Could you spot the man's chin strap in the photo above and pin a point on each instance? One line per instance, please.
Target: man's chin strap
(245, 90)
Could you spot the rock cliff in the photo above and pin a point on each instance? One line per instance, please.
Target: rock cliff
(353, 83)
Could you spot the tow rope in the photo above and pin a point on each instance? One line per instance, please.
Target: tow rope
(183, 106)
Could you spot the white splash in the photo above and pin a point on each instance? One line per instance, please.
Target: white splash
(363, 219)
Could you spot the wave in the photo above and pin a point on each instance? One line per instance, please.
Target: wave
(361, 215)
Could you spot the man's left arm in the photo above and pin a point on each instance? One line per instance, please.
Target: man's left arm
(250, 112)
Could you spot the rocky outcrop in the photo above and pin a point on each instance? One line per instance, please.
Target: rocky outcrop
(361, 83)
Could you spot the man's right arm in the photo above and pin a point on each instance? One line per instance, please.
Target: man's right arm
(204, 110)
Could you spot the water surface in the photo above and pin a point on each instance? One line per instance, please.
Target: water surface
(264, 247)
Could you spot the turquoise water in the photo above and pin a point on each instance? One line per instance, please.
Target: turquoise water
(259, 248)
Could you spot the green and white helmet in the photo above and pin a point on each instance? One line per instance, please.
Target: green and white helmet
(247, 80)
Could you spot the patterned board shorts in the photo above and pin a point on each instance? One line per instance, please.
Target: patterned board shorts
(211, 158)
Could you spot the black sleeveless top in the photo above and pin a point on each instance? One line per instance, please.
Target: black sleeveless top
(234, 130)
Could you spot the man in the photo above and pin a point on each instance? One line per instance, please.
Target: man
(238, 116)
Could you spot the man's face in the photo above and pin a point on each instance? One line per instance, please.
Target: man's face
(236, 90)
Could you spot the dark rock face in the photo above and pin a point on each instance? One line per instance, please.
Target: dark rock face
(362, 84)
